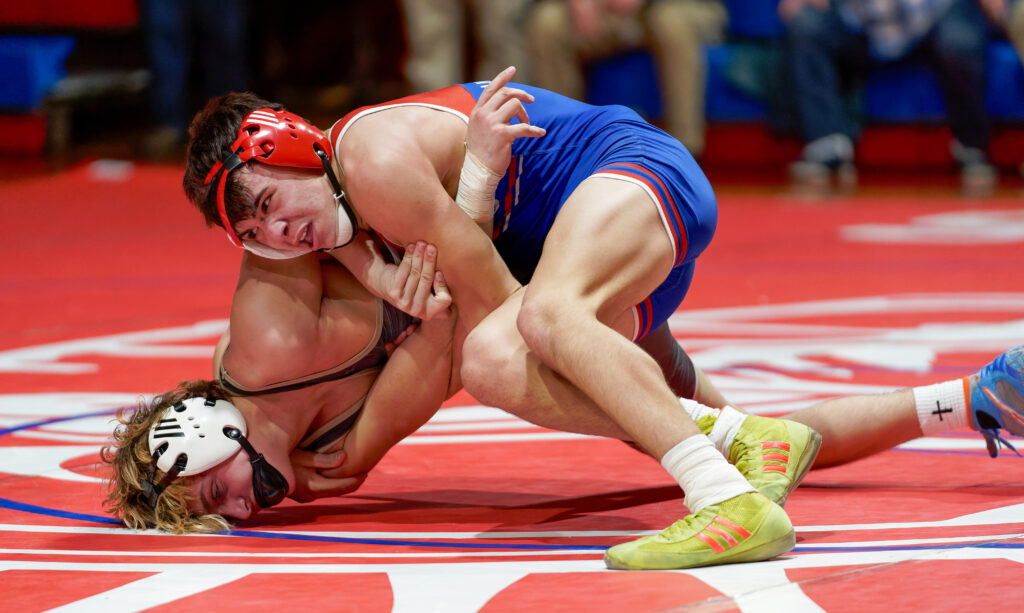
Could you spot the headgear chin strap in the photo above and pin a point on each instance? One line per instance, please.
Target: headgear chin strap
(280, 138)
(198, 434)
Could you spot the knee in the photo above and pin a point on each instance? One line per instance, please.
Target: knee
(488, 365)
(548, 20)
(960, 42)
(808, 25)
(1015, 24)
(671, 20)
(687, 21)
(537, 322)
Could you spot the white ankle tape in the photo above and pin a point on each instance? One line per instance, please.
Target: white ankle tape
(942, 406)
(702, 472)
(723, 433)
(697, 410)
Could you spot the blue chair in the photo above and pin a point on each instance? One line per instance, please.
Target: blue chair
(29, 68)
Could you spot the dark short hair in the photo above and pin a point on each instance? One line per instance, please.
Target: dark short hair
(213, 130)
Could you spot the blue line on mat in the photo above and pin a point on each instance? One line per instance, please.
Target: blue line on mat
(55, 420)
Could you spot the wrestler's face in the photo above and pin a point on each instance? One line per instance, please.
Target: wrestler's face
(225, 489)
(295, 210)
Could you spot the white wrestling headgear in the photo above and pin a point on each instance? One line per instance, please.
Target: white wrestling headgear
(196, 435)
(195, 427)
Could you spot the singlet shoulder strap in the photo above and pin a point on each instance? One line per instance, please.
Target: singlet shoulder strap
(324, 437)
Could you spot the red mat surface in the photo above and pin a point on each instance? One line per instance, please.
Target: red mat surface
(112, 289)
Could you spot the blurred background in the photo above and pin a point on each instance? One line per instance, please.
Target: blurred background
(119, 79)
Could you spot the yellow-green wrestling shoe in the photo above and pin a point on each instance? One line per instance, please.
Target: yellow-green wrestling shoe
(774, 455)
(745, 528)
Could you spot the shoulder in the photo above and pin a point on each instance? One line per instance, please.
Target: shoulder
(404, 135)
(275, 318)
(380, 139)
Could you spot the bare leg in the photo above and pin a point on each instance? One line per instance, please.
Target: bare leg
(508, 375)
(577, 293)
(682, 375)
(852, 428)
(858, 426)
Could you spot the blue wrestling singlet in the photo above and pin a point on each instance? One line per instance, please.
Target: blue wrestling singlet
(584, 141)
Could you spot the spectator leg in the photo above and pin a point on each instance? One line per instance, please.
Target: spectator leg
(225, 63)
(554, 57)
(500, 38)
(815, 42)
(679, 30)
(956, 49)
(435, 34)
(167, 37)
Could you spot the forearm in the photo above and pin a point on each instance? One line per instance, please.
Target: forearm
(405, 396)
(362, 258)
(475, 274)
(478, 278)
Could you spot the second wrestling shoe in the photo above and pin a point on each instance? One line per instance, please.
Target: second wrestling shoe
(774, 455)
(745, 528)
(996, 399)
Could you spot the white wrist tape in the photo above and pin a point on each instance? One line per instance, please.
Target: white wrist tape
(476, 188)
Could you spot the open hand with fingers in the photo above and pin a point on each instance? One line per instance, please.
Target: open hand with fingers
(491, 132)
(415, 286)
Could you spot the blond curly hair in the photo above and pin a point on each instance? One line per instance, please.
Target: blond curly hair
(131, 462)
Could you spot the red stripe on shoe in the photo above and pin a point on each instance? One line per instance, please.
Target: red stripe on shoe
(722, 533)
(728, 524)
(711, 542)
(775, 445)
(773, 468)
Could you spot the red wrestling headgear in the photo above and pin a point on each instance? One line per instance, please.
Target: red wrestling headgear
(280, 138)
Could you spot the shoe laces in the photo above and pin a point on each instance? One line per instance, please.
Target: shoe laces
(751, 453)
(686, 527)
(993, 440)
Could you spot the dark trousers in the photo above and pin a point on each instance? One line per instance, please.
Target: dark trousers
(178, 29)
(817, 44)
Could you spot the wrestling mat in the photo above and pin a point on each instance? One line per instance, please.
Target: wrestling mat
(112, 289)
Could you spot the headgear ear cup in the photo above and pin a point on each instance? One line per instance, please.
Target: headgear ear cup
(280, 138)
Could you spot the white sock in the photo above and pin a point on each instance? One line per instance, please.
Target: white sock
(942, 406)
(697, 410)
(702, 472)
